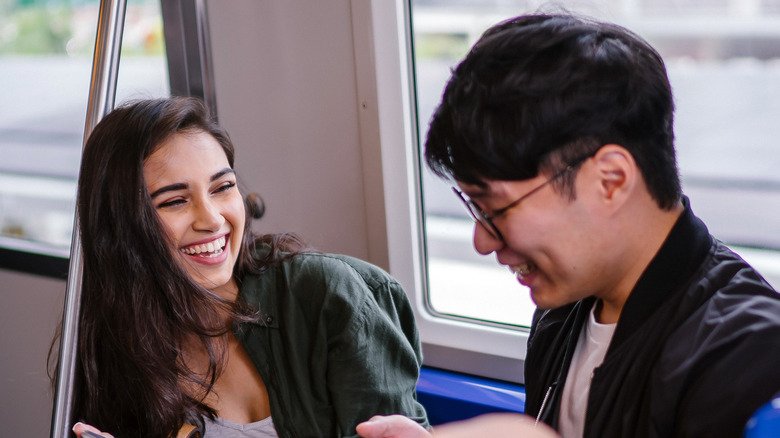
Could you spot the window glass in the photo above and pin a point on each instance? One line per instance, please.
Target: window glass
(723, 59)
(46, 51)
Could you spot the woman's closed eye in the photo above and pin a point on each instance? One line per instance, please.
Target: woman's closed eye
(171, 203)
(227, 185)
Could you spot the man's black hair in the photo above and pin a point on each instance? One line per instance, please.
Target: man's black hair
(538, 92)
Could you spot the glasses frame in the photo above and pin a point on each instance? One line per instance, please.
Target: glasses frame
(486, 220)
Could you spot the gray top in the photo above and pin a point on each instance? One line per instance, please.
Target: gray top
(221, 428)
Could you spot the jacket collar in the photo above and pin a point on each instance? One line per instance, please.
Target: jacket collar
(669, 273)
(259, 291)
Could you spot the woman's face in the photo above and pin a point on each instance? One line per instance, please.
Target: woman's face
(194, 191)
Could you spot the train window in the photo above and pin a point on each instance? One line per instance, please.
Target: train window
(45, 67)
(723, 60)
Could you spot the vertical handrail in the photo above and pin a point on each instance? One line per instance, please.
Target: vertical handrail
(102, 93)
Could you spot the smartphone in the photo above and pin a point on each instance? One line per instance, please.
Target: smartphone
(88, 434)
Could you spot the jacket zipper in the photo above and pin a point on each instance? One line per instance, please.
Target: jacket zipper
(544, 403)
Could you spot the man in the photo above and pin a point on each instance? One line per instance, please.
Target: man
(558, 133)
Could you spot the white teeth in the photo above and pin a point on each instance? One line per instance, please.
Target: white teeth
(210, 249)
(522, 270)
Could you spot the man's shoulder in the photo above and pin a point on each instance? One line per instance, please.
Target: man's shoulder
(731, 278)
(734, 300)
(740, 316)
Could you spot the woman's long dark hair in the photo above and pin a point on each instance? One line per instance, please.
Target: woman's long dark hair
(139, 307)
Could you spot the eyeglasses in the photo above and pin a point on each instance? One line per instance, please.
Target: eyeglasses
(486, 220)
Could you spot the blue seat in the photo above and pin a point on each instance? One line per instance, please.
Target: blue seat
(449, 396)
(765, 423)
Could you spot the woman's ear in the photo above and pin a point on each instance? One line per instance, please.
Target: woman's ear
(616, 171)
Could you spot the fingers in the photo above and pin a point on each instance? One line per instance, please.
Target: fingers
(373, 428)
(392, 426)
(79, 429)
(496, 425)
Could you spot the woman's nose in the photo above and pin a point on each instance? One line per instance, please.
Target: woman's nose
(485, 242)
(207, 217)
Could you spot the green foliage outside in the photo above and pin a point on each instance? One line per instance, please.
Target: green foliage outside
(62, 27)
(36, 31)
(441, 46)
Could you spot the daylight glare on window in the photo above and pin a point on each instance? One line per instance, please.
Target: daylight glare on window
(723, 60)
(46, 51)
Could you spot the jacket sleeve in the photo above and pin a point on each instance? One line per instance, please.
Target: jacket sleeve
(736, 350)
(374, 354)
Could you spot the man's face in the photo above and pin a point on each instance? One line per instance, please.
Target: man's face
(549, 240)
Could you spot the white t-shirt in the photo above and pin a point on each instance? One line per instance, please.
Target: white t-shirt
(588, 354)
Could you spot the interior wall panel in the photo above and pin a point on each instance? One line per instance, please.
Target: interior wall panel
(286, 92)
(30, 314)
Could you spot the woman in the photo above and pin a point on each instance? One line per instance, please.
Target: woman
(187, 318)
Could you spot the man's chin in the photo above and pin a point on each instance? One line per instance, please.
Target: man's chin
(544, 301)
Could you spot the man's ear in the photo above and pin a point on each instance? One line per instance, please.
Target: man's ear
(616, 171)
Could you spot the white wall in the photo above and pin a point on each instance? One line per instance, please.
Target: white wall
(288, 94)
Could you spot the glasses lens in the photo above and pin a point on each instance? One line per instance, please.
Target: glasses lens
(478, 215)
(486, 223)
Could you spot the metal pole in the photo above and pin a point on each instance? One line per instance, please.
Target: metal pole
(102, 92)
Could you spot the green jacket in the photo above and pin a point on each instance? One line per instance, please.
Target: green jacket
(336, 343)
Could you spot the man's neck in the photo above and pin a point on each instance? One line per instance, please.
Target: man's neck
(644, 234)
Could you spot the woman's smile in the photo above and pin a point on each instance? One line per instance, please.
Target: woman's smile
(208, 253)
(209, 249)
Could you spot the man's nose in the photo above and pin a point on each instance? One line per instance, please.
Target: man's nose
(485, 242)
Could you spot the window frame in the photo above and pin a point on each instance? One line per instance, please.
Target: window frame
(25, 259)
(456, 344)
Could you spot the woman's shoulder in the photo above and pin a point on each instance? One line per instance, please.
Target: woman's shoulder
(319, 274)
(336, 277)
(330, 265)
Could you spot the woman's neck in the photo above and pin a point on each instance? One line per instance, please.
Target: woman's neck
(228, 291)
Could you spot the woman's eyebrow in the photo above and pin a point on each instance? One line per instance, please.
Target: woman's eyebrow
(222, 173)
(169, 188)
